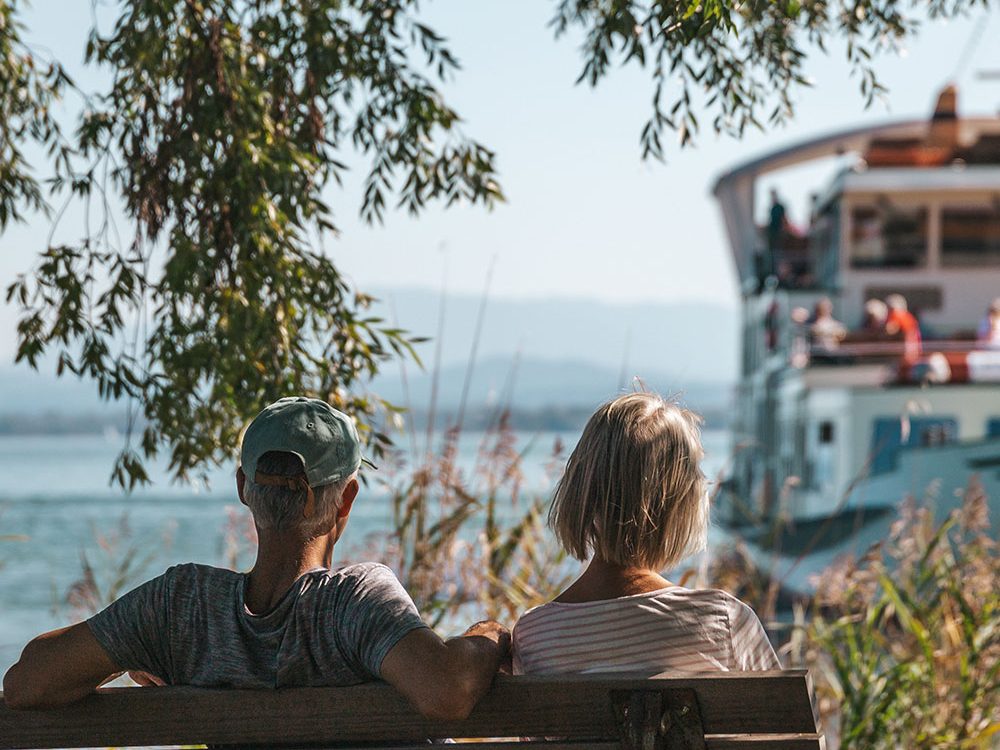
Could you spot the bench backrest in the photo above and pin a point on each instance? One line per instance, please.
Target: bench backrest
(723, 710)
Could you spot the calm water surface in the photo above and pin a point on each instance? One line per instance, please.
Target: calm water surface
(56, 507)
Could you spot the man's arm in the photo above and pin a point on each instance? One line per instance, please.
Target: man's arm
(445, 679)
(57, 668)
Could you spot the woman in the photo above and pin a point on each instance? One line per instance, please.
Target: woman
(633, 500)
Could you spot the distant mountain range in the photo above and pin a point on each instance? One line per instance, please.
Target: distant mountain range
(538, 383)
(552, 361)
(690, 341)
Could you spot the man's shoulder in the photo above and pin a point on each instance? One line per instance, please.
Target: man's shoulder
(186, 576)
(359, 573)
(366, 582)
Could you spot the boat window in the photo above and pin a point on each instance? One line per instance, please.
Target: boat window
(993, 427)
(825, 432)
(887, 437)
(970, 236)
(884, 235)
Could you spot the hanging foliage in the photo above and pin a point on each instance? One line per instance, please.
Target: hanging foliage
(739, 63)
(223, 123)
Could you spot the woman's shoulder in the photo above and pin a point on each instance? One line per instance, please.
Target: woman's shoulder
(718, 595)
(740, 614)
(668, 597)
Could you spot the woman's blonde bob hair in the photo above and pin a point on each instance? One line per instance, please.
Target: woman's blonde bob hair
(633, 493)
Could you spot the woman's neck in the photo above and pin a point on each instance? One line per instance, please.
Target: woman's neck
(603, 580)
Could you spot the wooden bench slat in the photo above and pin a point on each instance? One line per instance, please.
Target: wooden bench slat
(548, 745)
(715, 742)
(765, 741)
(712, 742)
(574, 708)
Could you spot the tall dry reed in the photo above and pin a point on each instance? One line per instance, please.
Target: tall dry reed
(470, 543)
(905, 642)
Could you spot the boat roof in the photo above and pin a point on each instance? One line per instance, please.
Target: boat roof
(828, 144)
(919, 179)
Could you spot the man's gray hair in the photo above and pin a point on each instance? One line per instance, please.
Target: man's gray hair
(281, 508)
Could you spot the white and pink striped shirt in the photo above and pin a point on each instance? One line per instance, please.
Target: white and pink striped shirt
(673, 629)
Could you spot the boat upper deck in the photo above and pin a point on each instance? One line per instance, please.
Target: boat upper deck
(898, 262)
(920, 199)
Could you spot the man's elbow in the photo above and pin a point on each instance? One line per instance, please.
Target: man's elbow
(18, 691)
(33, 683)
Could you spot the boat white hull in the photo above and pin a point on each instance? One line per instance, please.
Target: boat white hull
(936, 477)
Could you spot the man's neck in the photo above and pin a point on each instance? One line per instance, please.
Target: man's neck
(281, 560)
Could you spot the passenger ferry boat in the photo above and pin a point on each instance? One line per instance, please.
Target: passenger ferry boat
(834, 427)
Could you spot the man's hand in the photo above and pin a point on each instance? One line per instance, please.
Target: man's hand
(497, 633)
(445, 679)
(491, 630)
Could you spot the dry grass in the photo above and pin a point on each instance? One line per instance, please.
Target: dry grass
(470, 544)
(120, 561)
(906, 641)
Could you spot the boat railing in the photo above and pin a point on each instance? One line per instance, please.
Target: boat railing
(891, 349)
(930, 361)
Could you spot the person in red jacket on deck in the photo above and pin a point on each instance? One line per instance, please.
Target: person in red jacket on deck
(900, 319)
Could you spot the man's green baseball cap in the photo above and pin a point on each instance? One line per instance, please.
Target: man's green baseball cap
(324, 439)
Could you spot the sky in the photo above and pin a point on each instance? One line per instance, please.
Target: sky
(585, 216)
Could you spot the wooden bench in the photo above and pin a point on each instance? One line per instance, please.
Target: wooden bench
(724, 711)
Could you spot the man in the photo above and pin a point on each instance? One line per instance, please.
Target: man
(825, 330)
(291, 620)
(777, 222)
(876, 312)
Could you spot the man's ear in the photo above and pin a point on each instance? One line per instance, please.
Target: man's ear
(241, 480)
(347, 498)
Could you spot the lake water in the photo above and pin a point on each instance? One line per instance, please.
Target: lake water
(56, 507)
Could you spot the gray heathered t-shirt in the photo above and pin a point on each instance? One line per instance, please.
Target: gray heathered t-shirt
(190, 626)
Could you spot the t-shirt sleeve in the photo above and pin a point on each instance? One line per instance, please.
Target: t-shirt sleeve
(134, 629)
(375, 613)
(752, 651)
(517, 666)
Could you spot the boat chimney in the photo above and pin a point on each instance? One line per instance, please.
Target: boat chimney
(944, 121)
